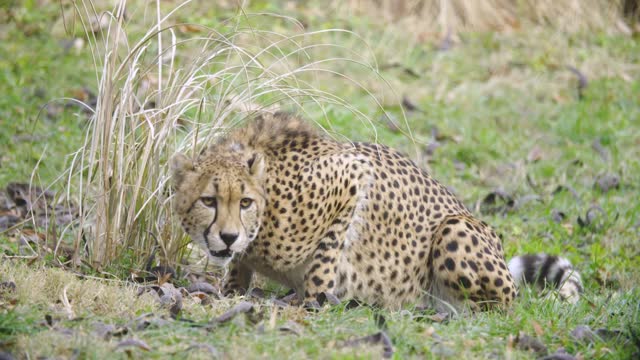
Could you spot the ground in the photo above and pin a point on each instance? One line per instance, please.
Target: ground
(535, 130)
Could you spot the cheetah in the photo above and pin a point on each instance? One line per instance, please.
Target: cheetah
(356, 220)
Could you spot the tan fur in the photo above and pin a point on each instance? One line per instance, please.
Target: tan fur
(357, 220)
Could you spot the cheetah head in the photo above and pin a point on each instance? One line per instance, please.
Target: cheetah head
(220, 200)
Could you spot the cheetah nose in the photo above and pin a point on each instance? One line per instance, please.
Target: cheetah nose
(228, 239)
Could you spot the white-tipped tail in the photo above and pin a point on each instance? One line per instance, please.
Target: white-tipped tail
(547, 271)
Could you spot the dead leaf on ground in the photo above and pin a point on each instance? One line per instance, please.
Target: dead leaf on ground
(582, 80)
(257, 293)
(569, 188)
(133, 343)
(557, 216)
(171, 298)
(147, 320)
(390, 121)
(22, 203)
(521, 201)
(107, 331)
(584, 333)
(597, 146)
(6, 356)
(431, 147)
(497, 201)
(325, 297)
(409, 106)
(279, 303)
(528, 343)
(7, 287)
(379, 338)
(240, 308)
(204, 287)
(407, 70)
(439, 317)
(607, 182)
(292, 327)
(594, 218)
(560, 354)
(289, 297)
(200, 346)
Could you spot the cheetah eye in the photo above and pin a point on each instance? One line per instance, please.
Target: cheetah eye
(208, 201)
(245, 203)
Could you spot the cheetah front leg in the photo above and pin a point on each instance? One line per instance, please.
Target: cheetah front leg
(320, 275)
(238, 278)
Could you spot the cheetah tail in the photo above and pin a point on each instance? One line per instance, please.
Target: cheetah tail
(547, 271)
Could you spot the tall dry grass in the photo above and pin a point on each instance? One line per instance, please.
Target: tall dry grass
(174, 89)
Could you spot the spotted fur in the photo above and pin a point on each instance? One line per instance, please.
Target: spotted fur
(357, 220)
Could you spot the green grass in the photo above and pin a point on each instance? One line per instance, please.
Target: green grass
(495, 99)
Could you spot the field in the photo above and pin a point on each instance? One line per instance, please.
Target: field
(535, 126)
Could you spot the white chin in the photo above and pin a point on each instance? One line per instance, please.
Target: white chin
(220, 261)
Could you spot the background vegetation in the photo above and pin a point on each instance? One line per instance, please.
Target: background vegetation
(528, 110)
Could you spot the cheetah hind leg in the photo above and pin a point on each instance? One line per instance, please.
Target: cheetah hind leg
(468, 269)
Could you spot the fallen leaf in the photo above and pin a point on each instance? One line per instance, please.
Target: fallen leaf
(573, 192)
(328, 297)
(390, 121)
(409, 105)
(171, 298)
(527, 343)
(594, 218)
(6, 356)
(597, 147)
(290, 297)
(521, 201)
(560, 354)
(583, 333)
(379, 338)
(200, 346)
(607, 182)
(279, 303)
(582, 80)
(204, 287)
(8, 287)
(107, 331)
(497, 201)
(439, 317)
(557, 216)
(133, 343)
(292, 327)
(431, 147)
(240, 308)
(407, 70)
(256, 293)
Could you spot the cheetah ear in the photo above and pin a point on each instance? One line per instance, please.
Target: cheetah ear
(181, 164)
(256, 166)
